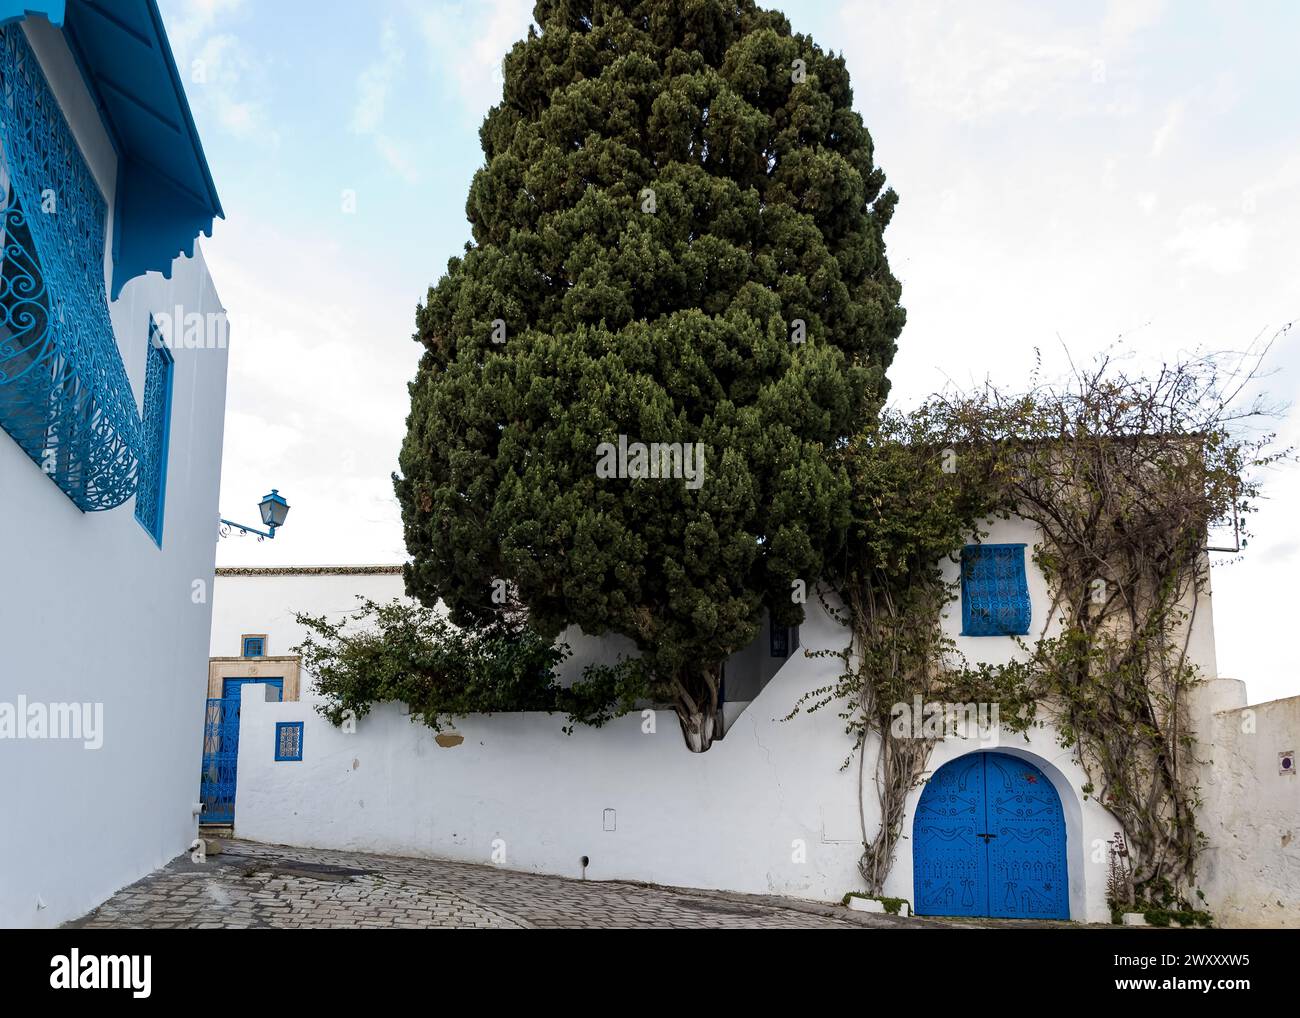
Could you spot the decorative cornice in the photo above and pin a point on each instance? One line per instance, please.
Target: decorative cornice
(309, 570)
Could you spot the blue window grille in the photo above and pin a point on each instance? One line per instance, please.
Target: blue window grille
(994, 590)
(64, 393)
(254, 646)
(288, 740)
(151, 489)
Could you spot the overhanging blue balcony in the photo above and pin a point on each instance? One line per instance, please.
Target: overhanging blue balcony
(165, 194)
(64, 393)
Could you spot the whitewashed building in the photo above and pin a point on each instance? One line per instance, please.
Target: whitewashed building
(768, 809)
(112, 404)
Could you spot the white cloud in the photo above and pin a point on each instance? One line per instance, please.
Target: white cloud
(220, 69)
(1126, 18)
(466, 43)
(319, 360)
(1207, 240)
(189, 20)
(373, 87)
(1173, 119)
(972, 64)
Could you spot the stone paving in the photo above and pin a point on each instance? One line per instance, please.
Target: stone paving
(250, 885)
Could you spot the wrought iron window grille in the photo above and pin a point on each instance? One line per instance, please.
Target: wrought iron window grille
(994, 590)
(288, 740)
(64, 393)
(151, 486)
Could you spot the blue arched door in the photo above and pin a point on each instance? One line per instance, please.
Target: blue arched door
(989, 840)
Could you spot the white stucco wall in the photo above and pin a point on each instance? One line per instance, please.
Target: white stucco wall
(992, 650)
(92, 611)
(263, 602)
(735, 817)
(765, 810)
(1250, 871)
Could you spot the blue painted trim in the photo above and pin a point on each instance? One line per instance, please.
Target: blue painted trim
(153, 460)
(231, 684)
(220, 761)
(994, 590)
(261, 646)
(281, 726)
(153, 225)
(250, 530)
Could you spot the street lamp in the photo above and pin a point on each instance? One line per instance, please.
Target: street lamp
(273, 508)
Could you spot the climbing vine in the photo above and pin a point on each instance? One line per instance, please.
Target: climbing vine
(916, 500)
(1125, 475)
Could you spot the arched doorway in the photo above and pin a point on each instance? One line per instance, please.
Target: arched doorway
(989, 840)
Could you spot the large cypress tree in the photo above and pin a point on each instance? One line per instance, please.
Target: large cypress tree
(677, 237)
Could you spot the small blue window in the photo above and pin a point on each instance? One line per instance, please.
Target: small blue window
(155, 431)
(288, 740)
(254, 646)
(994, 590)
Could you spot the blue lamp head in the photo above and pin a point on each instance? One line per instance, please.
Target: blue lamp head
(274, 509)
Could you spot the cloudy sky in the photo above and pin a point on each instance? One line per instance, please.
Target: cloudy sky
(1070, 174)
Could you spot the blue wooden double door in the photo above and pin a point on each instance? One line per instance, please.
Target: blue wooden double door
(989, 840)
(217, 781)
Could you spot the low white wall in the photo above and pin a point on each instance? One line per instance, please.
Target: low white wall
(1250, 814)
(731, 817)
(765, 810)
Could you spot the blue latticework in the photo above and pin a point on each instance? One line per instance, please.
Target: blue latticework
(154, 432)
(220, 760)
(288, 740)
(994, 590)
(64, 394)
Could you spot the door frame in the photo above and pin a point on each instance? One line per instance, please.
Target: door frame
(220, 763)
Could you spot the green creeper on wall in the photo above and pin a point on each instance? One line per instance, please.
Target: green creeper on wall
(677, 254)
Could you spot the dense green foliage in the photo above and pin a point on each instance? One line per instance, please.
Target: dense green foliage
(677, 237)
(409, 654)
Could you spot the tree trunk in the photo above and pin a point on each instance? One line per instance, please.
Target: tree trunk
(698, 708)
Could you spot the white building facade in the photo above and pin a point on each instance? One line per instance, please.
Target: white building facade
(768, 809)
(112, 405)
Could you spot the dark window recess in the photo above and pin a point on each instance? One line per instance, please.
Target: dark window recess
(779, 637)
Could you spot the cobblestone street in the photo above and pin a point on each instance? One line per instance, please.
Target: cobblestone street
(250, 885)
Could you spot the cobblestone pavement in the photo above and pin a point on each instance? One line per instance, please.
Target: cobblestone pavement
(250, 885)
